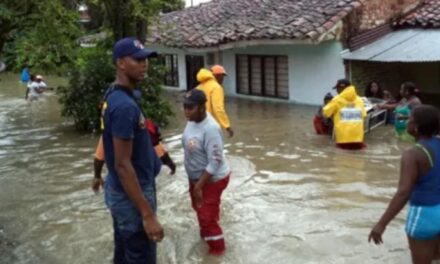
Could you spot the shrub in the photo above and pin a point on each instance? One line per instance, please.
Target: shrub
(91, 74)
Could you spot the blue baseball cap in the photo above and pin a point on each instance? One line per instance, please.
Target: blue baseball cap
(131, 47)
(194, 97)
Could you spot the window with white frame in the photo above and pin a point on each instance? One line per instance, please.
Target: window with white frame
(171, 77)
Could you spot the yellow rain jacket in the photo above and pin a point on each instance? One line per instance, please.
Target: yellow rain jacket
(215, 96)
(348, 112)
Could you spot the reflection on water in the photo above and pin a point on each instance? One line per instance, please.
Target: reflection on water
(293, 197)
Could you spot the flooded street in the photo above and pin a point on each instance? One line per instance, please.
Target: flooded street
(293, 197)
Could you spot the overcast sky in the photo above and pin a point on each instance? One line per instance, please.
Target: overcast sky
(195, 2)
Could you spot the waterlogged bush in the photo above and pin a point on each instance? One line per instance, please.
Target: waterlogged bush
(90, 76)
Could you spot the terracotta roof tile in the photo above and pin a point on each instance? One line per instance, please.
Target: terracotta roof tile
(426, 16)
(222, 21)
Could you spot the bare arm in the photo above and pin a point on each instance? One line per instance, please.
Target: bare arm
(198, 188)
(127, 176)
(408, 178)
(388, 106)
(97, 165)
(214, 149)
(97, 180)
(203, 180)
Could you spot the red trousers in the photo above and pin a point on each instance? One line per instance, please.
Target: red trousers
(208, 214)
(320, 127)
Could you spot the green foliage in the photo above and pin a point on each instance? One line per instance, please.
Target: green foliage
(145, 9)
(155, 107)
(50, 44)
(43, 34)
(91, 75)
(6, 14)
(13, 24)
(166, 6)
(132, 17)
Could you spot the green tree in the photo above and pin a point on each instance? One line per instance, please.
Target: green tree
(40, 33)
(131, 18)
(12, 17)
(43, 34)
(171, 5)
(51, 44)
(92, 74)
(93, 70)
(89, 76)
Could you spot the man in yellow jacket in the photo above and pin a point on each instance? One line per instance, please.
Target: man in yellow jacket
(348, 113)
(215, 96)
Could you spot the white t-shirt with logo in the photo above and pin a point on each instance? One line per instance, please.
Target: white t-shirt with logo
(203, 150)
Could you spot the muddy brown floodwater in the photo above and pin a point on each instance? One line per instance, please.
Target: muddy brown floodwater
(293, 197)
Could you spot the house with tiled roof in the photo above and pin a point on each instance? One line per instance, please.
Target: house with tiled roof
(426, 16)
(408, 51)
(284, 49)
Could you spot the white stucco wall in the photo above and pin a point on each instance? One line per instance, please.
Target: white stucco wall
(313, 69)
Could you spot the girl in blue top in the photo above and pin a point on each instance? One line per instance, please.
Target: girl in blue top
(420, 185)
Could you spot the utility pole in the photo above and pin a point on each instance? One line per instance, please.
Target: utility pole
(192, 3)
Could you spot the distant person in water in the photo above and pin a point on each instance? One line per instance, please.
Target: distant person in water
(401, 110)
(323, 125)
(408, 97)
(41, 84)
(348, 113)
(25, 76)
(418, 184)
(33, 90)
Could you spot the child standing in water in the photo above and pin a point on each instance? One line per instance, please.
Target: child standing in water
(420, 185)
(323, 125)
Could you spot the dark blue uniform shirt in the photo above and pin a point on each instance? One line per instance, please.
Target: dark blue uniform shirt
(123, 119)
